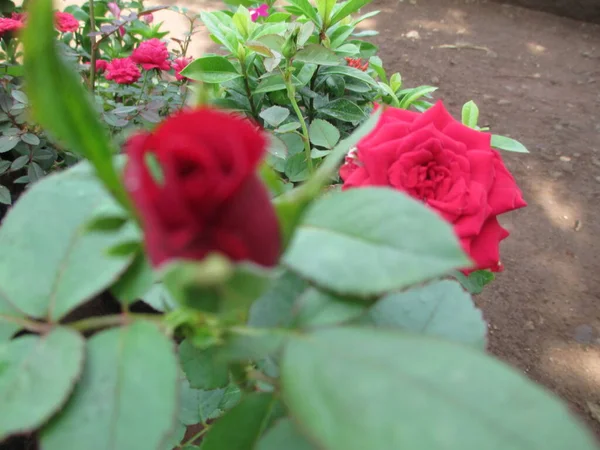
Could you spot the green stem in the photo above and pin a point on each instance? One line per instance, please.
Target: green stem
(93, 48)
(248, 90)
(195, 437)
(143, 87)
(291, 91)
(90, 323)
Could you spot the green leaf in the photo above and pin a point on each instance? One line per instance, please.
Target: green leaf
(275, 115)
(296, 168)
(396, 82)
(117, 405)
(412, 95)
(222, 33)
(59, 101)
(476, 281)
(317, 54)
(7, 143)
(34, 172)
(136, 281)
(348, 72)
(275, 307)
(470, 114)
(159, 298)
(211, 69)
(19, 96)
(5, 197)
(288, 127)
(31, 139)
(37, 375)
(350, 7)
(308, 10)
(440, 309)
(306, 31)
(243, 23)
(248, 419)
(343, 109)
(19, 163)
(417, 393)
(361, 250)
(323, 134)
(504, 143)
(317, 309)
(201, 366)
(270, 84)
(283, 435)
(324, 8)
(70, 264)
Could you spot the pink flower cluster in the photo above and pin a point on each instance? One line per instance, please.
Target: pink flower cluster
(64, 22)
(150, 54)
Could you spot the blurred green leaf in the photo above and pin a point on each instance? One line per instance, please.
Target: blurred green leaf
(275, 115)
(409, 96)
(114, 406)
(37, 375)
(317, 54)
(201, 366)
(211, 69)
(417, 393)
(349, 7)
(283, 435)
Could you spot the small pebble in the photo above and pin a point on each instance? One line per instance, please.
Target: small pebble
(565, 158)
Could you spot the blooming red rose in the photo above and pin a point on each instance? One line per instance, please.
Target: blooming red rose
(122, 71)
(450, 167)
(178, 65)
(208, 197)
(9, 25)
(66, 22)
(152, 54)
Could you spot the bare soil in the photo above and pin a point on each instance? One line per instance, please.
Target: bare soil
(535, 77)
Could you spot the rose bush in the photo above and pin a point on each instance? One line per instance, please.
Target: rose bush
(447, 165)
(208, 197)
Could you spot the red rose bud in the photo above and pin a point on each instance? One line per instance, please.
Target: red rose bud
(202, 193)
(66, 22)
(446, 165)
(152, 54)
(357, 63)
(122, 71)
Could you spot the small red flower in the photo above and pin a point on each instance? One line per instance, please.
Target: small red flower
(66, 22)
(7, 25)
(152, 54)
(101, 65)
(446, 165)
(122, 71)
(21, 17)
(357, 63)
(178, 65)
(209, 197)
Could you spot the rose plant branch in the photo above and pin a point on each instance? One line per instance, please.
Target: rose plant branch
(291, 93)
(94, 49)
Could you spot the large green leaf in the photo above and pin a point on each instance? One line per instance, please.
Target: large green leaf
(394, 391)
(202, 368)
(70, 264)
(348, 72)
(8, 311)
(37, 375)
(317, 54)
(211, 69)
(348, 8)
(127, 396)
(283, 435)
(441, 309)
(60, 103)
(308, 10)
(343, 109)
(323, 134)
(221, 32)
(372, 240)
(241, 427)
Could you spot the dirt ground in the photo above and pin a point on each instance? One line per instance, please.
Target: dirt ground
(535, 77)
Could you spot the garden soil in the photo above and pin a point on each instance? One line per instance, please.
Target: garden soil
(536, 78)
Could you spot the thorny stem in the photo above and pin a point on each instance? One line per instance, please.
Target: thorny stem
(93, 48)
(291, 91)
